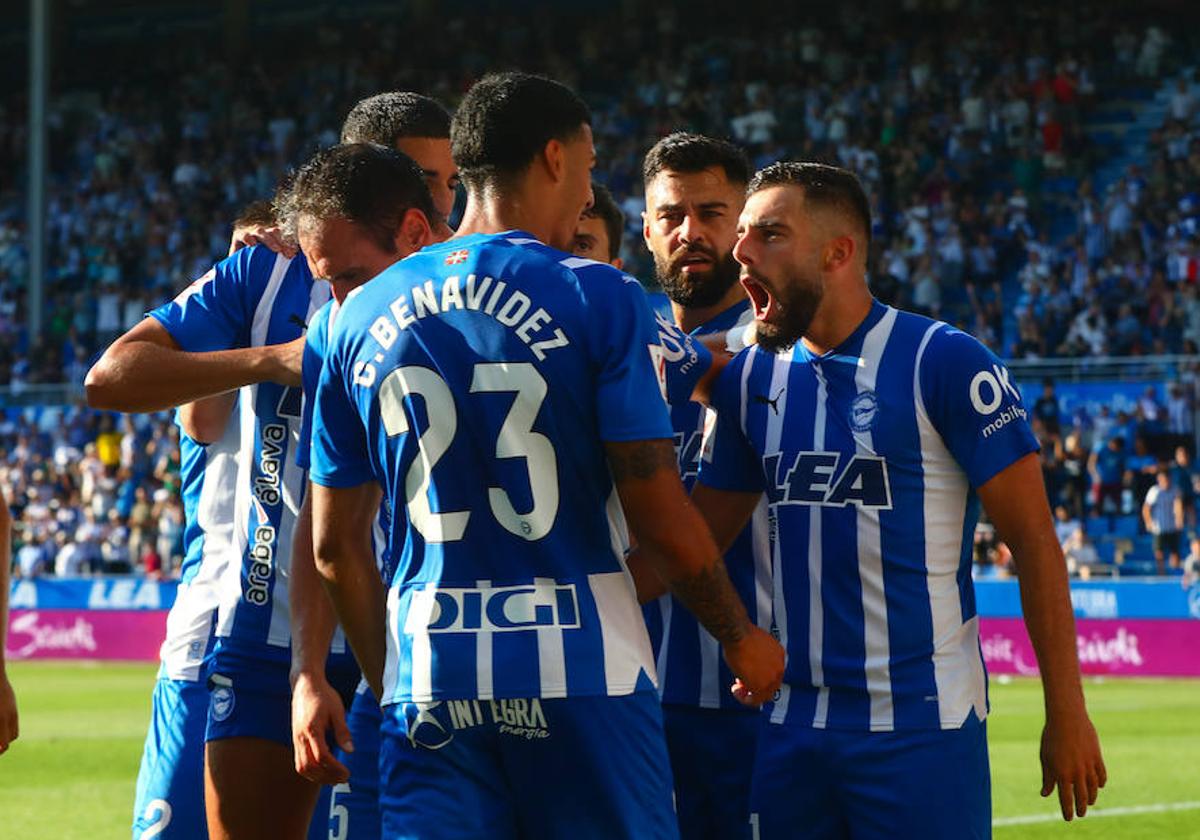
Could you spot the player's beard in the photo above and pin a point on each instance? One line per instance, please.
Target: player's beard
(795, 300)
(697, 290)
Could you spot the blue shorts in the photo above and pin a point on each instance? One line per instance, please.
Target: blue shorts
(822, 784)
(170, 783)
(712, 759)
(251, 696)
(353, 807)
(591, 768)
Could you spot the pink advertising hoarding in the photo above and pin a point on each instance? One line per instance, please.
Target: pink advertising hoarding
(133, 635)
(1115, 647)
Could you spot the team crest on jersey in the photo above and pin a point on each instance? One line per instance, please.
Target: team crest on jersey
(863, 410)
(457, 257)
(221, 703)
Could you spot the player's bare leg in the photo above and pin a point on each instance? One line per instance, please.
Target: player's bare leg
(252, 791)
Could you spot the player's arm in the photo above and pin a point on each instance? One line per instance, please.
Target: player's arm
(316, 707)
(204, 421)
(9, 729)
(678, 546)
(1015, 500)
(726, 512)
(1147, 519)
(345, 561)
(146, 370)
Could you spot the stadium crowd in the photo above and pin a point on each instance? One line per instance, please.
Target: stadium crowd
(91, 492)
(959, 125)
(968, 130)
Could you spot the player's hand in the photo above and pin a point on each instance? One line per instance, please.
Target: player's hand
(757, 661)
(317, 709)
(9, 728)
(1071, 761)
(271, 237)
(286, 361)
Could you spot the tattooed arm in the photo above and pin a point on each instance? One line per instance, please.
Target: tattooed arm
(677, 545)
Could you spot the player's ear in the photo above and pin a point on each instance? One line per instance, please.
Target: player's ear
(414, 232)
(617, 263)
(840, 251)
(554, 157)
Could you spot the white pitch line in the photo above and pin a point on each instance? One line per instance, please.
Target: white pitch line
(1097, 813)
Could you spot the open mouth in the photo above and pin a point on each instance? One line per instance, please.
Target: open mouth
(760, 297)
(694, 262)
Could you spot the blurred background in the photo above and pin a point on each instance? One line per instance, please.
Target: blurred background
(1034, 173)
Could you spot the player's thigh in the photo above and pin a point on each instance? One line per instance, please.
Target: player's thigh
(793, 789)
(934, 785)
(251, 785)
(353, 807)
(712, 760)
(439, 783)
(588, 767)
(252, 790)
(170, 784)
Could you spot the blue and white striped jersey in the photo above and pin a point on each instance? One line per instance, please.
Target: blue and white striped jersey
(316, 346)
(255, 298)
(208, 477)
(691, 670)
(870, 455)
(477, 380)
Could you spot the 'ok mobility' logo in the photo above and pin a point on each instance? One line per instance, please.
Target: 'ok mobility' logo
(988, 391)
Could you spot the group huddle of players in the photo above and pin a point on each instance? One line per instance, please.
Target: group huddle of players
(429, 475)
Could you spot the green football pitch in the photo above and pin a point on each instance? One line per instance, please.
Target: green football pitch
(71, 773)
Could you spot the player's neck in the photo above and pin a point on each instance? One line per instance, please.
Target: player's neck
(495, 213)
(690, 317)
(843, 309)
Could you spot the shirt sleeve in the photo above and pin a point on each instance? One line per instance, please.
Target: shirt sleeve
(684, 360)
(340, 454)
(315, 340)
(214, 312)
(632, 382)
(728, 460)
(971, 400)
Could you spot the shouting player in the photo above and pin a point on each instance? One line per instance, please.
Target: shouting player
(695, 187)
(876, 434)
(500, 391)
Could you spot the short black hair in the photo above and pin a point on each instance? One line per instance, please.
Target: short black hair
(823, 185)
(388, 117)
(687, 152)
(604, 207)
(365, 183)
(506, 119)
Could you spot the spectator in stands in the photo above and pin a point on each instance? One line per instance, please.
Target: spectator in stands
(1185, 477)
(1107, 468)
(1046, 408)
(1162, 513)
(1073, 459)
(1080, 553)
(1191, 565)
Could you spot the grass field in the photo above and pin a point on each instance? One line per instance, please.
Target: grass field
(71, 774)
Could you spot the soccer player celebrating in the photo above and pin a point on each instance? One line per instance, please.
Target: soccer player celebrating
(500, 391)
(695, 187)
(9, 725)
(354, 210)
(237, 327)
(875, 435)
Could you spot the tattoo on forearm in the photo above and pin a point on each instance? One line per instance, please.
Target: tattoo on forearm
(712, 599)
(642, 459)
